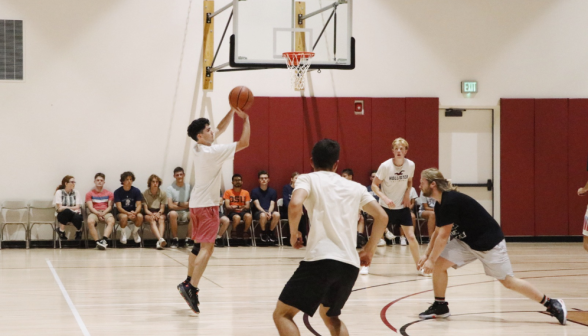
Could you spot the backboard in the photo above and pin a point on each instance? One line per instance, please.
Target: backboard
(264, 29)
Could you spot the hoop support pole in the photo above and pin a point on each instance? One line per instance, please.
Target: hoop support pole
(208, 46)
(217, 68)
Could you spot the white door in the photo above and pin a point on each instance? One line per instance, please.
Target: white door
(466, 152)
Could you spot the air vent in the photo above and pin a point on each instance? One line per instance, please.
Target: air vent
(11, 50)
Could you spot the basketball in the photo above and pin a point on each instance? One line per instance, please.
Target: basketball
(241, 97)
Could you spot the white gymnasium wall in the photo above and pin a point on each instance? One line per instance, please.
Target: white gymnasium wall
(112, 84)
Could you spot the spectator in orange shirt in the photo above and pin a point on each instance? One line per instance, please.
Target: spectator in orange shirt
(237, 206)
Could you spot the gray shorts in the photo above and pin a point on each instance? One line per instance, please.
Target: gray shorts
(496, 262)
(183, 216)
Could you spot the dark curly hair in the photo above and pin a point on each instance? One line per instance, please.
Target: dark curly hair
(126, 174)
(197, 127)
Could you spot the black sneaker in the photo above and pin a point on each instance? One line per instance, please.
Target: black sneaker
(436, 310)
(174, 243)
(271, 239)
(78, 235)
(219, 242)
(61, 234)
(263, 237)
(101, 244)
(190, 294)
(557, 309)
(189, 242)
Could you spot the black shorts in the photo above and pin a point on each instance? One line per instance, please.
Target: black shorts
(327, 282)
(400, 216)
(233, 214)
(257, 214)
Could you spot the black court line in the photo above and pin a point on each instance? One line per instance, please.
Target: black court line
(404, 327)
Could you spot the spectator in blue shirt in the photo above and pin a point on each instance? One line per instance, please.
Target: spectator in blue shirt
(128, 203)
(287, 195)
(264, 201)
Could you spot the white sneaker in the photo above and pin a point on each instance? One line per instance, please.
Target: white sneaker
(382, 242)
(403, 241)
(364, 270)
(101, 244)
(158, 245)
(422, 273)
(162, 243)
(123, 236)
(136, 236)
(389, 235)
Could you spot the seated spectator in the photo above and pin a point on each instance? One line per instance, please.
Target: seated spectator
(154, 208)
(287, 195)
(68, 203)
(369, 187)
(128, 203)
(178, 201)
(237, 205)
(99, 206)
(264, 198)
(427, 211)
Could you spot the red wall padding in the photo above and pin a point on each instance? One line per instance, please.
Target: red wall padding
(551, 167)
(388, 123)
(284, 130)
(517, 166)
(285, 140)
(254, 158)
(422, 134)
(320, 121)
(577, 156)
(356, 145)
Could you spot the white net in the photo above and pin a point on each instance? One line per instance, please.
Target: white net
(298, 63)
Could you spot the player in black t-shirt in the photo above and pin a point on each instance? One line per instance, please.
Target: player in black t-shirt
(475, 235)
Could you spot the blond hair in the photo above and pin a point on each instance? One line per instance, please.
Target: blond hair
(434, 175)
(400, 142)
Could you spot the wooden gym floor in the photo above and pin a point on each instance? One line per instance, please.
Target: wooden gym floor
(132, 291)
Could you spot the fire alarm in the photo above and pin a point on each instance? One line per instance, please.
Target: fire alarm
(359, 107)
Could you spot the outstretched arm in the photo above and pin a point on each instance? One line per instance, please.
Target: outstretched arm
(583, 191)
(222, 126)
(244, 141)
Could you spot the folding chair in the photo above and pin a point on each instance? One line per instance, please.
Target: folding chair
(42, 212)
(12, 213)
(84, 237)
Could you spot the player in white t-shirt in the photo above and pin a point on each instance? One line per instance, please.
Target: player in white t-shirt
(208, 161)
(331, 264)
(584, 192)
(392, 184)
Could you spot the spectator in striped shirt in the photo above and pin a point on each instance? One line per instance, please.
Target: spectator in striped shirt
(99, 206)
(68, 203)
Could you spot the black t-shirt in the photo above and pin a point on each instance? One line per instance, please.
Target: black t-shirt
(265, 197)
(128, 199)
(472, 224)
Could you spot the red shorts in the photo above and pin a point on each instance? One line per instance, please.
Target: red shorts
(205, 223)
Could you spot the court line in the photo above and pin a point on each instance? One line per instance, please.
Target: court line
(68, 300)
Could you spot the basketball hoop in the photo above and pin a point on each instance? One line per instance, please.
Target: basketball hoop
(299, 62)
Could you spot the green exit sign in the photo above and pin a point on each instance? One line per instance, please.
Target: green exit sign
(469, 87)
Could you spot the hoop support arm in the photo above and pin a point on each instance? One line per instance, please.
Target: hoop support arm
(209, 16)
(304, 17)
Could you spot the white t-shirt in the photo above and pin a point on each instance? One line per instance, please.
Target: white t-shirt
(72, 199)
(208, 161)
(332, 206)
(395, 181)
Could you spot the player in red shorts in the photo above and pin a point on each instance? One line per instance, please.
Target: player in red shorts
(208, 161)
